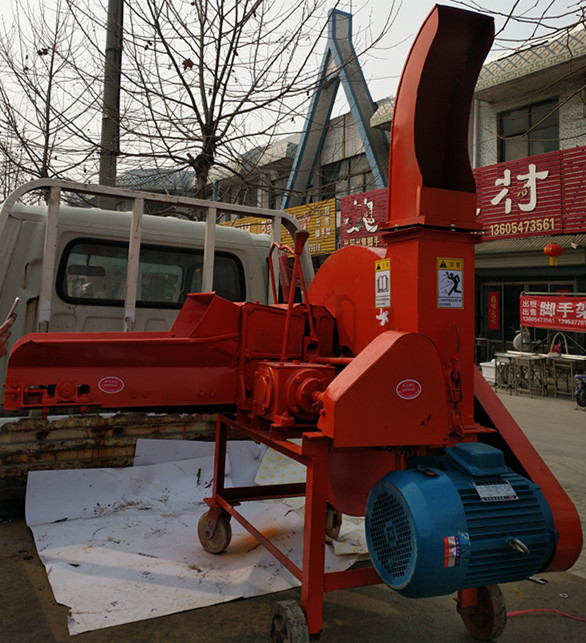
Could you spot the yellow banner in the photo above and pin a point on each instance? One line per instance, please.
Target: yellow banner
(319, 219)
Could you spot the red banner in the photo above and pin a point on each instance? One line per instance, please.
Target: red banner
(556, 312)
(361, 218)
(538, 195)
(493, 310)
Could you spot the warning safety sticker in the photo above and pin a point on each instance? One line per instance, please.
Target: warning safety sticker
(382, 283)
(450, 288)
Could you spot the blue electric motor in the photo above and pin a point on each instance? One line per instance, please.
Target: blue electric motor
(459, 520)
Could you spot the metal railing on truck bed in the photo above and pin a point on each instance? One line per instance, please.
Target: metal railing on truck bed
(212, 209)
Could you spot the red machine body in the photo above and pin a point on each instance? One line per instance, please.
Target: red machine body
(374, 369)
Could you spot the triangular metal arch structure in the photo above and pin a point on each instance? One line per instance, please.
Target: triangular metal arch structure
(339, 64)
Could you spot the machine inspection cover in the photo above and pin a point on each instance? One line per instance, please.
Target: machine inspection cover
(450, 289)
(382, 283)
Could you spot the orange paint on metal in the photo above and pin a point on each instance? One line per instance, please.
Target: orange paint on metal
(366, 405)
(403, 313)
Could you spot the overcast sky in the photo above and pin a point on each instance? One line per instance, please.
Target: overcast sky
(383, 65)
(382, 71)
(410, 14)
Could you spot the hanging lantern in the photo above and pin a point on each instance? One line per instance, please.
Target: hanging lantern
(553, 251)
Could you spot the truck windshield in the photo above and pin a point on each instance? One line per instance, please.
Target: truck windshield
(94, 272)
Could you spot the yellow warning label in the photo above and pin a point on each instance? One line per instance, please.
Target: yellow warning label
(449, 264)
(450, 283)
(382, 283)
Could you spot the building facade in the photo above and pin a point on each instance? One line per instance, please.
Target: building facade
(528, 144)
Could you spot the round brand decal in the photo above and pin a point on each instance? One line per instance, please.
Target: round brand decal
(110, 384)
(408, 389)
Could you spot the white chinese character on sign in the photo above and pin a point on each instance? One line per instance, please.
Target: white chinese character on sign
(529, 181)
(531, 185)
(547, 308)
(506, 181)
(369, 222)
(565, 307)
(581, 310)
(352, 229)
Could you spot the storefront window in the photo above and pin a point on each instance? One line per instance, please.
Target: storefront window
(498, 312)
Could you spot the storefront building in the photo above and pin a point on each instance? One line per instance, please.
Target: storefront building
(526, 205)
(529, 149)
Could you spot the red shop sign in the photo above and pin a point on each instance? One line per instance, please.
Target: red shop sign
(361, 218)
(557, 312)
(538, 195)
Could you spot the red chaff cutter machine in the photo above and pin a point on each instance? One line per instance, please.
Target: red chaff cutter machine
(373, 374)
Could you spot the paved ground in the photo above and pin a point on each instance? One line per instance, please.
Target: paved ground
(557, 429)
(28, 612)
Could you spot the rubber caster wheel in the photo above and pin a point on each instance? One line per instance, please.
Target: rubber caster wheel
(487, 619)
(333, 522)
(219, 540)
(287, 623)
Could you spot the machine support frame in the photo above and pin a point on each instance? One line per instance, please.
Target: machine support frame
(314, 455)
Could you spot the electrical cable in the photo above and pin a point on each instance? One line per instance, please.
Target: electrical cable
(521, 612)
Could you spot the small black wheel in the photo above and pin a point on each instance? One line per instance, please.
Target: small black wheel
(581, 397)
(287, 623)
(487, 619)
(221, 537)
(333, 522)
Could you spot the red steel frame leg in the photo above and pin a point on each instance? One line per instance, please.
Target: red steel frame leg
(314, 533)
(314, 454)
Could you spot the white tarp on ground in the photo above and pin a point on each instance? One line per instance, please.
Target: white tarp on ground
(121, 545)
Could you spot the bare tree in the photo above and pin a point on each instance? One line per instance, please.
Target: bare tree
(214, 78)
(10, 175)
(204, 81)
(47, 108)
(521, 23)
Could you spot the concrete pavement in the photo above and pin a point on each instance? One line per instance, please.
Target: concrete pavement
(29, 613)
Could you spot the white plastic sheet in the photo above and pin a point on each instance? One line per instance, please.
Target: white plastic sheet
(121, 545)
